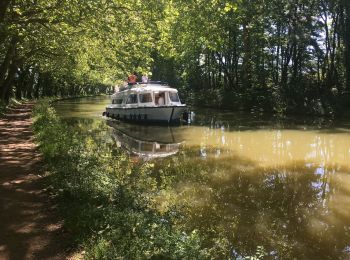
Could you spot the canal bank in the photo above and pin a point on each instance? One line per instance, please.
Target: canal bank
(29, 227)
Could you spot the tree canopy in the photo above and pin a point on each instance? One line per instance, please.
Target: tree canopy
(66, 47)
(277, 55)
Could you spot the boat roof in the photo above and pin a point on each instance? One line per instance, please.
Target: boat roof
(142, 87)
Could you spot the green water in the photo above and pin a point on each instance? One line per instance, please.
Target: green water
(247, 182)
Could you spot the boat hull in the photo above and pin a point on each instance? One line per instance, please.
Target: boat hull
(160, 114)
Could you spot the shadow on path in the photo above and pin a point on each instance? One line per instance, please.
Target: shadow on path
(29, 228)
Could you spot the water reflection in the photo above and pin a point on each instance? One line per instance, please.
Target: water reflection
(145, 141)
(292, 211)
(88, 107)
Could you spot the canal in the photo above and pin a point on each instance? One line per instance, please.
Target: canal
(249, 183)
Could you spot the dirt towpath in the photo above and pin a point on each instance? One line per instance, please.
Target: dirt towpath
(29, 228)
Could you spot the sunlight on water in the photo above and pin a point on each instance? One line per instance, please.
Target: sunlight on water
(272, 147)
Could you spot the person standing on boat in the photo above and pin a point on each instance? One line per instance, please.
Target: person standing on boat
(144, 78)
(132, 79)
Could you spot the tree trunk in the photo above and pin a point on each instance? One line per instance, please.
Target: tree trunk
(30, 83)
(7, 60)
(347, 43)
(6, 88)
(285, 63)
(3, 8)
(279, 47)
(19, 91)
(246, 64)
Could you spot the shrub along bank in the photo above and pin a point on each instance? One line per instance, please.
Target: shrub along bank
(105, 199)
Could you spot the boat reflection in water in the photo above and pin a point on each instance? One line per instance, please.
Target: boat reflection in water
(147, 142)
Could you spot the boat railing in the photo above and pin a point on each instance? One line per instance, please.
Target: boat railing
(138, 84)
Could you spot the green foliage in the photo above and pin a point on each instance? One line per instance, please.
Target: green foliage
(104, 198)
(73, 47)
(284, 56)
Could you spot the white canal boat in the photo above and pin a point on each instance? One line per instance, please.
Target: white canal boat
(147, 103)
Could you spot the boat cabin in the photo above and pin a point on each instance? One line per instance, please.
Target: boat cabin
(146, 96)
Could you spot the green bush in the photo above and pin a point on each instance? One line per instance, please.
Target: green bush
(106, 200)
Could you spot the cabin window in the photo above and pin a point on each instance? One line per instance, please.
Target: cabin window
(174, 97)
(145, 98)
(132, 99)
(117, 101)
(159, 98)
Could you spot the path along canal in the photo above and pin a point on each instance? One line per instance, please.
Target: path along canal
(249, 182)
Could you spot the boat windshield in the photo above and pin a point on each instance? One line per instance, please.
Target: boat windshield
(117, 101)
(174, 97)
(145, 98)
(132, 99)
